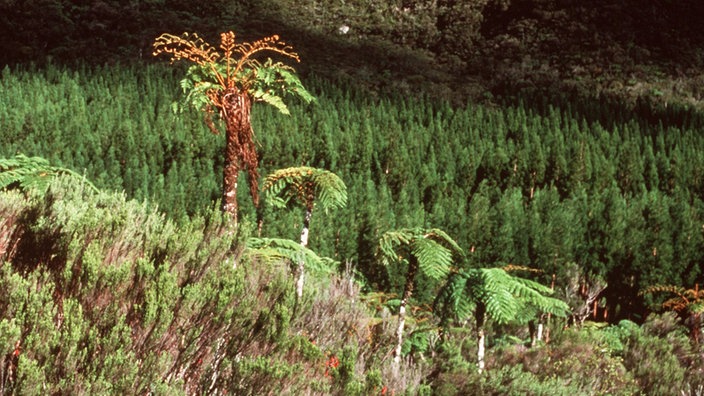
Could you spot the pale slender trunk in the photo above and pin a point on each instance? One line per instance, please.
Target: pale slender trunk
(407, 292)
(304, 243)
(300, 279)
(399, 331)
(480, 314)
(536, 331)
(306, 227)
(480, 350)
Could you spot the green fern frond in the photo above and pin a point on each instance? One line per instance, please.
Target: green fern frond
(506, 298)
(501, 306)
(32, 173)
(277, 249)
(443, 238)
(272, 100)
(434, 259)
(305, 185)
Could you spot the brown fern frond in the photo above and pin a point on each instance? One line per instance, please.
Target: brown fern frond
(188, 46)
(227, 44)
(676, 304)
(663, 289)
(272, 43)
(514, 267)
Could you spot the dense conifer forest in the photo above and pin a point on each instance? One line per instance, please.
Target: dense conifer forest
(552, 239)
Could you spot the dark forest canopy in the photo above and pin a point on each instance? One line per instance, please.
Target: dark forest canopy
(452, 48)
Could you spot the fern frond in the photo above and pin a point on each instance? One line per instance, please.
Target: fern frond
(272, 43)
(429, 247)
(187, 46)
(501, 306)
(434, 259)
(442, 237)
(272, 100)
(514, 267)
(32, 173)
(277, 249)
(678, 290)
(452, 300)
(304, 186)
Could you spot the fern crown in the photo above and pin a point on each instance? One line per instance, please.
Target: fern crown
(305, 186)
(506, 298)
(234, 66)
(433, 249)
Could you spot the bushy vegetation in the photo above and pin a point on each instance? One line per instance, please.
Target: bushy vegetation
(128, 300)
(102, 295)
(537, 184)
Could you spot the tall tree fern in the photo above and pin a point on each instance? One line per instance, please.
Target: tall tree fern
(226, 83)
(426, 250)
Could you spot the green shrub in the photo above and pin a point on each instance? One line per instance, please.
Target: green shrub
(656, 355)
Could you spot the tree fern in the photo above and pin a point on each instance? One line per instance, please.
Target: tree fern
(33, 173)
(305, 186)
(689, 303)
(427, 250)
(225, 83)
(492, 293)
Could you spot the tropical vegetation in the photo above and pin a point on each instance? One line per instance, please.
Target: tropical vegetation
(502, 197)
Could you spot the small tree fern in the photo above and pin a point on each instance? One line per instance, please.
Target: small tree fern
(688, 303)
(305, 186)
(427, 250)
(493, 293)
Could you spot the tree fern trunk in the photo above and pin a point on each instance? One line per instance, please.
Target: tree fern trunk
(304, 243)
(230, 174)
(480, 315)
(695, 327)
(240, 152)
(407, 292)
(306, 226)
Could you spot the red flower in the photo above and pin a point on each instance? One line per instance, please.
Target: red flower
(332, 362)
(16, 352)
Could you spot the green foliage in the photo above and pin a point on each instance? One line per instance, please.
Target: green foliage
(433, 249)
(305, 186)
(614, 190)
(658, 356)
(274, 81)
(116, 284)
(26, 173)
(504, 296)
(275, 249)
